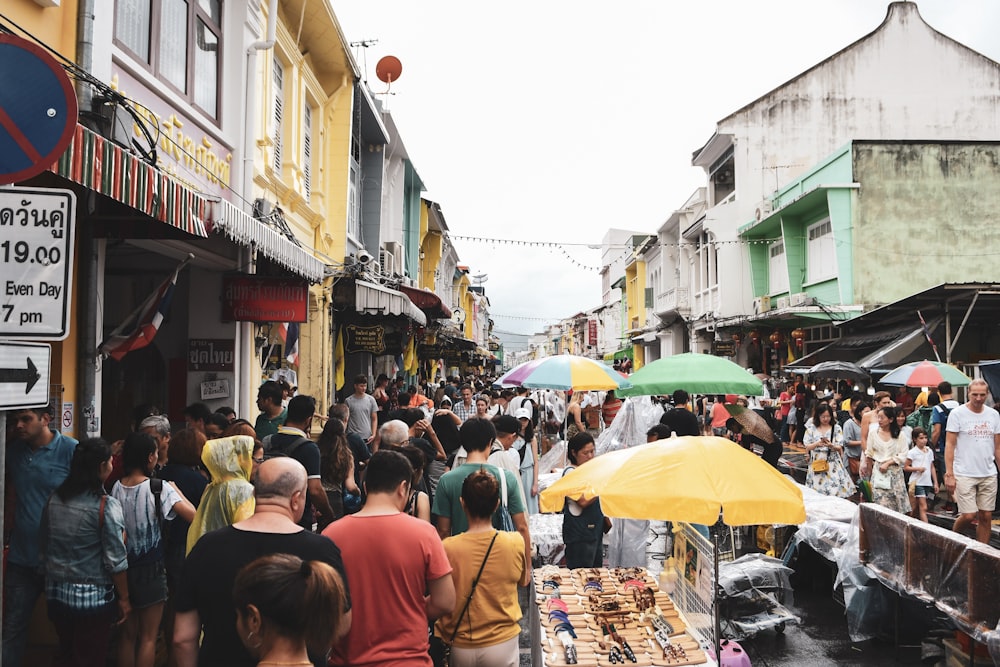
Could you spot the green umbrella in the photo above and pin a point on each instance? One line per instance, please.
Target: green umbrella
(695, 373)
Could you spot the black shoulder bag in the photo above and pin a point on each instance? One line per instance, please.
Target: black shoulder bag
(440, 650)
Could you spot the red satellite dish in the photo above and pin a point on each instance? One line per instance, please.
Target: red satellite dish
(388, 69)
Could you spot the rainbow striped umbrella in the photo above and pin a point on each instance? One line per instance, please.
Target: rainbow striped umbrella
(565, 371)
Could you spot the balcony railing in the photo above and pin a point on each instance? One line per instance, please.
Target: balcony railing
(675, 298)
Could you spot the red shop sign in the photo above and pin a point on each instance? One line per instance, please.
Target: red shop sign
(250, 298)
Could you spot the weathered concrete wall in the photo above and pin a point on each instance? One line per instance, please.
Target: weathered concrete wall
(927, 214)
(903, 81)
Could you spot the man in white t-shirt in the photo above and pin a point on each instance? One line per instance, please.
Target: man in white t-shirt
(518, 401)
(502, 453)
(971, 451)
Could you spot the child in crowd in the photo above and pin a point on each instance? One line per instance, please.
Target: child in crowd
(923, 476)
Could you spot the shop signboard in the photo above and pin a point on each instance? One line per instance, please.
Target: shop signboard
(430, 352)
(591, 332)
(193, 153)
(253, 298)
(724, 348)
(364, 339)
(211, 354)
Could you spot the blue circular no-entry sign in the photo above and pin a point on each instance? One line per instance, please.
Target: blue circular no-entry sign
(38, 110)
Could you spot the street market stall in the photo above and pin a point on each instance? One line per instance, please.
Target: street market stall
(601, 616)
(693, 479)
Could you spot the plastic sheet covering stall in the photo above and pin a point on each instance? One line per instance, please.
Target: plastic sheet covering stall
(755, 589)
(634, 418)
(959, 576)
(628, 538)
(827, 525)
(546, 537)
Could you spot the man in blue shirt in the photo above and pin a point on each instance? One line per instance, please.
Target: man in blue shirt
(38, 462)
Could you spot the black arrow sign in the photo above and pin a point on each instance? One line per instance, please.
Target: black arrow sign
(28, 375)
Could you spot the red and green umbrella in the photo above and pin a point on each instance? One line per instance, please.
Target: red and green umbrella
(925, 374)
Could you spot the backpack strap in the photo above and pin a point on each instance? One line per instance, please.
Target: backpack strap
(290, 448)
(156, 486)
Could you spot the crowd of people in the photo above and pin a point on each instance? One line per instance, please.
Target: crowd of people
(211, 535)
(909, 452)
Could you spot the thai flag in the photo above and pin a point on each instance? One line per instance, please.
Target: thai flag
(139, 328)
(290, 335)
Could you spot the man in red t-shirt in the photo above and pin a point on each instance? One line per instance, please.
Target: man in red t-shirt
(391, 574)
(785, 401)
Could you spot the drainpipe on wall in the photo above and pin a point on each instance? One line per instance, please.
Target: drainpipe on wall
(88, 256)
(248, 350)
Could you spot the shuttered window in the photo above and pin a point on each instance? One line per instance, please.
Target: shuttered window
(307, 151)
(278, 75)
(777, 268)
(821, 257)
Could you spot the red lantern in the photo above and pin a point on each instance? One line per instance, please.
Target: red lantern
(737, 338)
(776, 339)
(799, 336)
(754, 336)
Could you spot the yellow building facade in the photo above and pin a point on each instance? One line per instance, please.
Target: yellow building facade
(302, 141)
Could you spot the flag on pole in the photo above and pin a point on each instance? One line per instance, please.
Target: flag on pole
(339, 360)
(927, 335)
(139, 328)
(410, 356)
(290, 336)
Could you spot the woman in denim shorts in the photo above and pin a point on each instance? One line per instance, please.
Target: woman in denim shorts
(147, 578)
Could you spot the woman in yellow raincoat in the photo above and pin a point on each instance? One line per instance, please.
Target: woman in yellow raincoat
(228, 498)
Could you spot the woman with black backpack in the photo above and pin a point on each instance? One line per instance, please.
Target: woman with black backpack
(146, 503)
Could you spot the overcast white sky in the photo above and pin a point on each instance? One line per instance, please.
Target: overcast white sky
(553, 120)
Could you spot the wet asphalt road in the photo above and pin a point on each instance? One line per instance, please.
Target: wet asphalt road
(821, 639)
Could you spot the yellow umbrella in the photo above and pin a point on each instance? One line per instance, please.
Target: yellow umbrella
(690, 479)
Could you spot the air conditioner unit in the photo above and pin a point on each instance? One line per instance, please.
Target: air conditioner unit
(764, 208)
(800, 299)
(396, 250)
(388, 262)
(761, 304)
(782, 302)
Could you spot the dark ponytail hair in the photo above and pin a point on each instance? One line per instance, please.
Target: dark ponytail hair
(85, 469)
(135, 452)
(894, 428)
(297, 599)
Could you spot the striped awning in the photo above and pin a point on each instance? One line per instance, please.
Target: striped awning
(246, 230)
(101, 165)
(373, 299)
